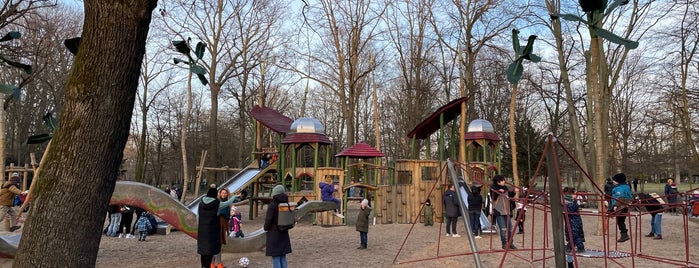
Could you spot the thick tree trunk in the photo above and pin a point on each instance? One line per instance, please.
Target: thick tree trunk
(79, 174)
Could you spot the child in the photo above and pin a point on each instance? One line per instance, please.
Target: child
(521, 212)
(326, 193)
(235, 223)
(429, 213)
(576, 225)
(363, 223)
(143, 226)
(475, 205)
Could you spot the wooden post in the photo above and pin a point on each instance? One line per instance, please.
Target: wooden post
(198, 180)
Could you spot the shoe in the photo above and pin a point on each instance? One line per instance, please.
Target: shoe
(520, 232)
(623, 238)
(339, 215)
(456, 235)
(448, 234)
(513, 247)
(14, 228)
(129, 236)
(361, 247)
(478, 237)
(121, 236)
(660, 237)
(580, 249)
(650, 235)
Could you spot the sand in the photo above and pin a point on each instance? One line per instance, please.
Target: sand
(319, 246)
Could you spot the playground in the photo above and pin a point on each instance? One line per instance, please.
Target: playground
(317, 246)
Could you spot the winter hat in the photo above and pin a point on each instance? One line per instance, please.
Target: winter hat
(15, 174)
(212, 191)
(279, 189)
(428, 202)
(619, 178)
(365, 202)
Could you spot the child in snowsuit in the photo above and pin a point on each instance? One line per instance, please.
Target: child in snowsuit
(235, 223)
(428, 213)
(576, 225)
(143, 226)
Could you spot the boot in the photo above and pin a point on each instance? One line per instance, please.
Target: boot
(650, 235)
(212, 265)
(623, 238)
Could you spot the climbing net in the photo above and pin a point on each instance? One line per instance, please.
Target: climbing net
(540, 238)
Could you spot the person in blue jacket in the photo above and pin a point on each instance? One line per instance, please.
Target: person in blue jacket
(621, 191)
(326, 194)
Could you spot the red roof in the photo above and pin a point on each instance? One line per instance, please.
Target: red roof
(272, 119)
(360, 150)
(431, 123)
(299, 138)
(480, 135)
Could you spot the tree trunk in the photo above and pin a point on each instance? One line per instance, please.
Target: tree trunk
(82, 166)
(513, 143)
(183, 139)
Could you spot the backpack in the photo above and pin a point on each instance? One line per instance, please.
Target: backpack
(286, 217)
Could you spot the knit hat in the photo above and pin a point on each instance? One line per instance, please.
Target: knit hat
(15, 174)
(619, 178)
(365, 202)
(212, 191)
(279, 189)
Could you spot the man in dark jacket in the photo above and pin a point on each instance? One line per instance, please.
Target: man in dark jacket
(278, 243)
(451, 203)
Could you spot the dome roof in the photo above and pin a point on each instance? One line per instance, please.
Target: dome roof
(480, 125)
(307, 125)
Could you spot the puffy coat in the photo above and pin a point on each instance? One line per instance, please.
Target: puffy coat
(363, 219)
(278, 242)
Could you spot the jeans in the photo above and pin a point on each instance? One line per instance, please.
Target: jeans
(363, 238)
(656, 223)
(451, 221)
(475, 221)
(505, 225)
(114, 221)
(279, 261)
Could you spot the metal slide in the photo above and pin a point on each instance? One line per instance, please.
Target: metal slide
(236, 183)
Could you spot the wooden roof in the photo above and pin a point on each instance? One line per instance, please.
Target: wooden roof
(360, 150)
(431, 124)
(299, 138)
(272, 119)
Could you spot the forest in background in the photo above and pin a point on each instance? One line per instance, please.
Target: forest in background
(330, 59)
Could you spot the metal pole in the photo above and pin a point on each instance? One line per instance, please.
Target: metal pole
(459, 183)
(556, 205)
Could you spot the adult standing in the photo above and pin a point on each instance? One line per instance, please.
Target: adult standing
(8, 192)
(671, 193)
(502, 209)
(224, 215)
(621, 191)
(635, 185)
(452, 211)
(278, 243)
(209, 226)
(126, 221)
(653, 206)
(475, 206)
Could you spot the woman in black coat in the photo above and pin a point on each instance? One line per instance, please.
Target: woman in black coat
(209, 230)
(452, 210)
(278, 243)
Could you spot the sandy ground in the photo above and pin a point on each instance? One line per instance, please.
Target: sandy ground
(319, 246)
